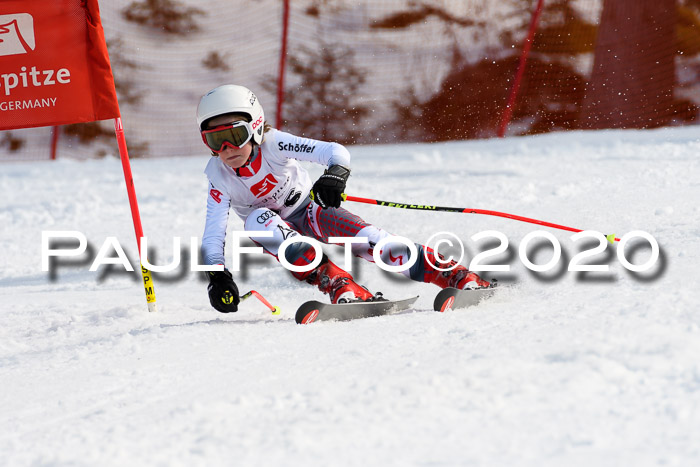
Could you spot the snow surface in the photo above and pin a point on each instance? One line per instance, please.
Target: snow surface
(557, 369)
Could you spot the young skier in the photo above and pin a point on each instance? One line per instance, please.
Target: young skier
(255, 171)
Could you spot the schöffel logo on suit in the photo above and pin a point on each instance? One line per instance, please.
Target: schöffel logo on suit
(295, 147)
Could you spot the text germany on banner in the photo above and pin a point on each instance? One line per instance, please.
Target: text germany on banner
(54, 67)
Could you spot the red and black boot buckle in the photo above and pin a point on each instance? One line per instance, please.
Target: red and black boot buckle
(338, 283)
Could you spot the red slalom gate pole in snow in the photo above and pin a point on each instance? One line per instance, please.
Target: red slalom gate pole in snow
(508, 113)
(392, 204)
(136, 217)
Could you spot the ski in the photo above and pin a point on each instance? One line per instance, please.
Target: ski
(312, 311)
(451, 298)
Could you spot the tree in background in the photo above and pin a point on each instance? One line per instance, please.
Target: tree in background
(11, 142)
(688, 43)
(322, 104)
(645, 65)
(421, 12)
(688, 28)
(169, 16)
(554, 83)
(633, 79)
(632, 83)
(127, 94)
(472, 96)
(215, 61)
(123, 69)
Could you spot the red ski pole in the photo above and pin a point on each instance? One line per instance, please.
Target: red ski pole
(392, 204)
(274, 309)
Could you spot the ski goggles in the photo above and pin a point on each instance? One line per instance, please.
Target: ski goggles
(235, 135)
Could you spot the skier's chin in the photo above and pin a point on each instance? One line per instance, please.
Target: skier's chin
(235, 161)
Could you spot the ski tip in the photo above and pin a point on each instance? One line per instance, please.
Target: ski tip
(447, 306)
(310, 317)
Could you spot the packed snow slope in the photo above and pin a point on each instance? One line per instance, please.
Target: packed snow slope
(560, 368)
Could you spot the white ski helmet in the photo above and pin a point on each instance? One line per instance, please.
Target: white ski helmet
(231, 98)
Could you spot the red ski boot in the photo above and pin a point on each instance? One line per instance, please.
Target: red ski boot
(337, 283)
(459, 277)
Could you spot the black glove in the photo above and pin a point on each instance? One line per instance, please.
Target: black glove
(223, 293)
(330, 186)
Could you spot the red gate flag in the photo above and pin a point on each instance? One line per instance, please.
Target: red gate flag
(54, 66)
